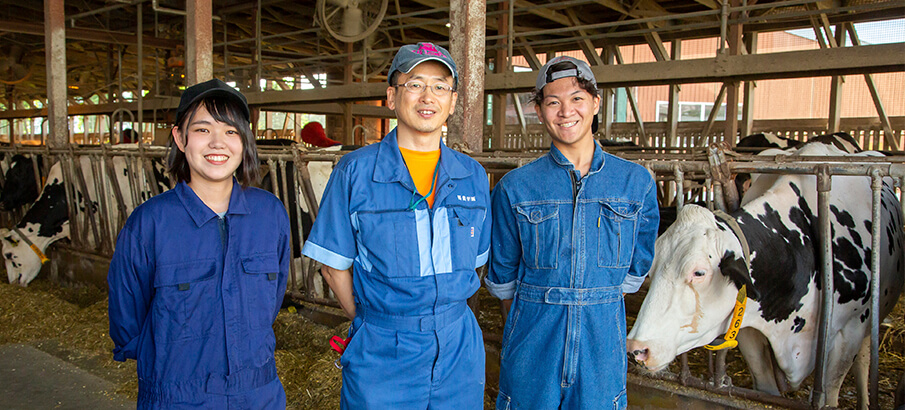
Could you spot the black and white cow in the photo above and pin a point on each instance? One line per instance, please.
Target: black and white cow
(21, 186)
(770, 144)
(47, 220)
(698, 269)
(299, 213)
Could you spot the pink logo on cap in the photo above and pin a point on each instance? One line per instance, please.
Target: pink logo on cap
(428, 49)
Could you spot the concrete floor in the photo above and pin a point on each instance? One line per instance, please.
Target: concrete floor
(33, 379)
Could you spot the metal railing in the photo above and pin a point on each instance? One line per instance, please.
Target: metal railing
(93, 229)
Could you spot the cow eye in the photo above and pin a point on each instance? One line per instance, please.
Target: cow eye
(12, 241)
(699, 273)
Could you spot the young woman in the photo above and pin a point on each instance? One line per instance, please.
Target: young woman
(199, 272)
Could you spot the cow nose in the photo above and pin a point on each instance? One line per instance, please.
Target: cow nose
(637, 350)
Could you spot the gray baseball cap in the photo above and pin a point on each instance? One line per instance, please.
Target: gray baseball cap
(581, 70)
(411, 55)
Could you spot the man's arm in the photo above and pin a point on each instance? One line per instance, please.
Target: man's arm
(643, 255)
(340, 281)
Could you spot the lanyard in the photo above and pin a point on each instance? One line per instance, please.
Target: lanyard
(412, 203)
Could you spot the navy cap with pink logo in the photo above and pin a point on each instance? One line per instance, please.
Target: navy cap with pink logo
(411, 55)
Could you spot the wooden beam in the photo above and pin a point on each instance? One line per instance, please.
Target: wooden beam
(92, 35)
(586, 46)
(880, 58)
(546, 13)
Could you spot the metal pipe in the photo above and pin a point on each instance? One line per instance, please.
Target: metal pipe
(74, 17)
(258, 45)
(509, 30)
(724, 24)
(159, 9)
(824, 185)
(876, 185)
(141, 65)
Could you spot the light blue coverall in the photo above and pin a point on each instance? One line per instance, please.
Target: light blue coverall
(415, 344)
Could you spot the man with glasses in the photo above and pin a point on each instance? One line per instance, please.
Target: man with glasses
(409, 217)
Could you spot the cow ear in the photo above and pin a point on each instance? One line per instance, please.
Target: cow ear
(4, 232)
(735, 269)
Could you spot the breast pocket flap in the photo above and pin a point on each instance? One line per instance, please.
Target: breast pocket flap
(467, 216)
(622, 210)
(537, 215)
(266, 263)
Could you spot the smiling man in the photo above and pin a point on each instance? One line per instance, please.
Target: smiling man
(572, 231)
(410, 218)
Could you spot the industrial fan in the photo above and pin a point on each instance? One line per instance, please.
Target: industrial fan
(12, 67)
(377, 53)
(351, 20)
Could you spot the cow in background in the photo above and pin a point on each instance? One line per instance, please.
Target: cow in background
(21, 186)
(47, 220)
(759, 143)
(699, 267)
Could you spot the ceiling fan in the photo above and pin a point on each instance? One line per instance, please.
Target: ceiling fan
(351, 20)
(12, 67)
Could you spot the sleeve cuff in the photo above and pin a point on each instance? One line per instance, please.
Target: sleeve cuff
(501, 291)
(631, 284)
(327, 257)
(482, 259)
(120, 354)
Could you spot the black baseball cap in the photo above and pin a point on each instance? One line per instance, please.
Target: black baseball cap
(411, 55)
(581, 70)
(214, 87)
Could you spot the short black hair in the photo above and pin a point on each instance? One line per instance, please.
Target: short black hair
(224, 110)
(537, 96)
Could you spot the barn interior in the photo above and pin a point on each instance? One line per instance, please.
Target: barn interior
(681, 83)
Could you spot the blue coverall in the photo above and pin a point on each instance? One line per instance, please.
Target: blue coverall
(415, 343)
(565, 248)
(193, 298)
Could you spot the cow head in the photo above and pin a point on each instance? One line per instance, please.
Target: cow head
(697, 271)
(22, 263)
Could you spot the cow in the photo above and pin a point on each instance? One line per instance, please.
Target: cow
(770, 144)
(47, 220)
(319, 172)
(699, 268)
(21, 186)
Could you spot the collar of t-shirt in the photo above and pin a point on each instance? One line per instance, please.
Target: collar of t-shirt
(421, 166)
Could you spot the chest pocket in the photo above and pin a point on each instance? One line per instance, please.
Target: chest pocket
(183, 307)
(260, 290)
(539, 231)
(390, 242)
(465, 231)
(616, 234)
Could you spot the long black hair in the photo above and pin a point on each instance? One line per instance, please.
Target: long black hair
(224, 110)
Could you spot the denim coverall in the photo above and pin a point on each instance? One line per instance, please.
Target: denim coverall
(415, 343)
(193, 298)
(565, 248)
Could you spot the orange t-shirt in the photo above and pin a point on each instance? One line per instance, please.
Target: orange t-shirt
(421, 165)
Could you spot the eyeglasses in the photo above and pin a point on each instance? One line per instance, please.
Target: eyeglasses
(418, 87)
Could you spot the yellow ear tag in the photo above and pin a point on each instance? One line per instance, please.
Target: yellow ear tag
(728, 340)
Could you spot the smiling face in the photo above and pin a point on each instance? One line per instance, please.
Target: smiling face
(568, 111)
(213, 149)
(422, 114)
